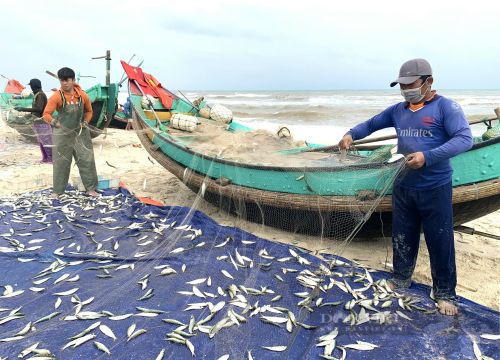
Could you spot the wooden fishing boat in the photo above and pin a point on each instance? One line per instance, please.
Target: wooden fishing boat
(317, 196)
(102, 97)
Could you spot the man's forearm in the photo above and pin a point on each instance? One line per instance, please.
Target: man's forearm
(87, 117)
(449, 149)
(378, 122)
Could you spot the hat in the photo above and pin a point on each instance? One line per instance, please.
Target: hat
(35, 82)
(412, 70)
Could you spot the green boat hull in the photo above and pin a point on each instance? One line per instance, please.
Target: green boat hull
(477, 165)
(311, 199)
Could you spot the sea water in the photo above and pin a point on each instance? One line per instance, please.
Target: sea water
(324, 116)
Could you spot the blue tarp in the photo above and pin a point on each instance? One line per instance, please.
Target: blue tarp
(88, 240)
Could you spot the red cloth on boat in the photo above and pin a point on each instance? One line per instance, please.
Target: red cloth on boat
(164, 96)
(13, 87)
(148, 84)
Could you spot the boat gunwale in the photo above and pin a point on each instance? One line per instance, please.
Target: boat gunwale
(302, 169)
(461, 194)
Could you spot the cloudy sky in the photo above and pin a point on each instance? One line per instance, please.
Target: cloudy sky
(255, 44)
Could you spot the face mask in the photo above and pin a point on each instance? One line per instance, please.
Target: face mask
(414, 96)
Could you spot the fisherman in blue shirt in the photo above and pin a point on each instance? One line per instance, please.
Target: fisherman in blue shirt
(430, 129)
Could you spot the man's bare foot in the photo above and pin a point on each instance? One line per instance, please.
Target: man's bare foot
(55, 196)
(92, 193)
(447, 308)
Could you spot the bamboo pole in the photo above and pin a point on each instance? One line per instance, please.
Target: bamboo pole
(390, 137)
(158, 122)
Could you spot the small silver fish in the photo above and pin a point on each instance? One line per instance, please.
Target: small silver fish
(136, 333)
(160, 355)
(79, 341)
(226, 274)
(278, 348)
(107, 331)
(102, 347)
(48, 317)
(66, 293)
(190, 346)
(86, 331)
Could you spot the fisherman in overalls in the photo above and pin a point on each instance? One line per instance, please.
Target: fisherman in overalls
(431, 129)
(71, 136)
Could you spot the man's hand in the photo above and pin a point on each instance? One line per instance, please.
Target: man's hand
(415, 160)
(346, 142)
(55, 123)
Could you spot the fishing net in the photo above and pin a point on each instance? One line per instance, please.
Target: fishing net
(141, 281)
(492, 132)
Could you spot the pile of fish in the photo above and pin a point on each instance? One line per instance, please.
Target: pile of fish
(140, 257)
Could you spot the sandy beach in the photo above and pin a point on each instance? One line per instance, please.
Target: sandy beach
(120, 155)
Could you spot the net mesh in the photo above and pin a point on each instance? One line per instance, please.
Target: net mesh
(202, 286)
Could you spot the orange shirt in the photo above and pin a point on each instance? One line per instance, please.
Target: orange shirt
(55, 103)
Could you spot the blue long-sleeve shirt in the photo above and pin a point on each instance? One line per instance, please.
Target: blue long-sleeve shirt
(439, 130)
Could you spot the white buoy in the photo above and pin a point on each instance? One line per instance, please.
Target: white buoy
(184, 122)
(205, 112)
(221, 114)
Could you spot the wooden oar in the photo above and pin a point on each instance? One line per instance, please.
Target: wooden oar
(472, 231)
(5, 77)
(189, 101)
(371, 140)
(336, 147)
(485, 120)
(357, 142)
(122, 79)
(51, 74)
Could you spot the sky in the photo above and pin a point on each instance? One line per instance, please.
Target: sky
(254, 45)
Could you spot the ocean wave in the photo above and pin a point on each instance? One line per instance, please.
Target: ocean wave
(238, 95)
(329, 107)
(337, 100)
(289, 114)
(254, 103)
(481, 102)
(334, 117)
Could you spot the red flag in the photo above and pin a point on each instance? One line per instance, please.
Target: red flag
(13, 87)
(133, 72)
(148, 84)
